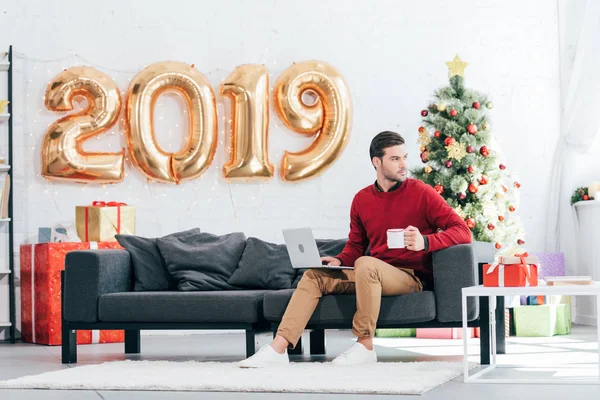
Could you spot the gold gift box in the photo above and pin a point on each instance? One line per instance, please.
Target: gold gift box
(102, 221)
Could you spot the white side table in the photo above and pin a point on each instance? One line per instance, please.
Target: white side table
(492, 293)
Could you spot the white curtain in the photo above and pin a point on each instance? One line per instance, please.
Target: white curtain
(580, 124)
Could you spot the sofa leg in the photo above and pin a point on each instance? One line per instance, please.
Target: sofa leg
(317, 341)
(132, 341)
(298, 349)
(250, 342)
(69, 345)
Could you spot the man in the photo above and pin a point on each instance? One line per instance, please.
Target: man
(392, 202)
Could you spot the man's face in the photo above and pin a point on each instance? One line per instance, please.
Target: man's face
(393, 165)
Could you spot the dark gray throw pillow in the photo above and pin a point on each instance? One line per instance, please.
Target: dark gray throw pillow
(264, 265)
(149, 269)
(327, 247)
(202, 261)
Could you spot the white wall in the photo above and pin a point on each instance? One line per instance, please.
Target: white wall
(391, 54)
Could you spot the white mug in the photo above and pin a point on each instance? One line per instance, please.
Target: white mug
(395, 238)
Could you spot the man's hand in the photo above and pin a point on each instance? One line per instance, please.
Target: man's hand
(331, 261)
(413, 240)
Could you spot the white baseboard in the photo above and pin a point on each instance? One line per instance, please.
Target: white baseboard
(187, 332)
(585, 320)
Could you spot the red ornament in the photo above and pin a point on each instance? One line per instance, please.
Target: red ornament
(439, 189)
(586, 197)
(502, 167)
(448, 141)
(520, 242)
(424, 113)
(425, 156)
(471, 169)
(484, 151)
(437, 134)
(498, 246)
(500, 218)
(491, 227)
(448, 164)
(421, 129)
(470, 222)
(511, 209)
(472, 129)
(462, 196)
(473, 188)
(483, 180)
(517, 185)
(476, 105)
(470, 149)
(504, 189)
(453, 113)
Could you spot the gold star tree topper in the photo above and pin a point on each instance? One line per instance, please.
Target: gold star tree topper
(456, 67)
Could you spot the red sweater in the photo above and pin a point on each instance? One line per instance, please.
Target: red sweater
(414, 203)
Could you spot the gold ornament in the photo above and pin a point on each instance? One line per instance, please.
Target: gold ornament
(441, 107)
(423, 148)
(499, 195)
(3, 104)
(329, 119)
(460, 212)
(456, 150)
(456, 67)
(424, 138)
(428, 169)
(489, 105)
(485, 127)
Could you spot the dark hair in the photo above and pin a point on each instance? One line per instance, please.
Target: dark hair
(382, 141)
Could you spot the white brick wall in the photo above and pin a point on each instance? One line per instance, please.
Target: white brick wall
(391, 54)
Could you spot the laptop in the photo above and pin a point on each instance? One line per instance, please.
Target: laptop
(303, 251)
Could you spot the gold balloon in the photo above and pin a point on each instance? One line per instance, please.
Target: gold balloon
(63, 157)
(199, 150)
(330, 117)
(248, 89)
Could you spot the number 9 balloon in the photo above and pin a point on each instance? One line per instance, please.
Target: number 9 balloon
(329, 118)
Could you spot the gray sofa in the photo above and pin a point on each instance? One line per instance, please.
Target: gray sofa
(97, 293)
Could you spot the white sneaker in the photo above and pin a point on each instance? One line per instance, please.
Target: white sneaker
(265, 357)
(356, 355)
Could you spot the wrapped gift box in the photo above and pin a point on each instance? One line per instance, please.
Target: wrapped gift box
(550, 264)
(41, 313)
(407, 332)
(543, 321)
(102, 221)
(536, 300)
(443, 333)
(511, 271)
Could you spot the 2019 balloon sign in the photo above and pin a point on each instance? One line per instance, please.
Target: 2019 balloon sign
(328, 118)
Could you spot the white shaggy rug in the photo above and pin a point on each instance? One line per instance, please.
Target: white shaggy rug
(382, 378)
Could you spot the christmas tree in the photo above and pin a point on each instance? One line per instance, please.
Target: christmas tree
(464, 164)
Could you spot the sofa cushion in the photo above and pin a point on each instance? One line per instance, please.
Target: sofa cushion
(340, 309)
(244, 306)
(327, 247)
(149, 269)
(264, 265)
(202, 261)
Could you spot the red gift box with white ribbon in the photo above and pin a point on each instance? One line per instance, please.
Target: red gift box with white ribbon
(41, 312)
(512, 271)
